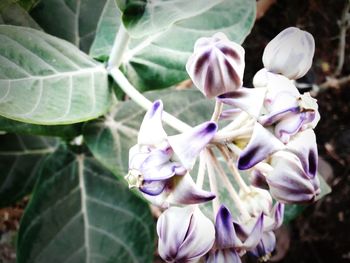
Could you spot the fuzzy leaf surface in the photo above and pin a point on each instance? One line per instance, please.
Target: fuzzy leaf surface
(46, 80)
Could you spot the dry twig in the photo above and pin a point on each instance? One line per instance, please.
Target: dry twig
(344, 25)
(262, 6)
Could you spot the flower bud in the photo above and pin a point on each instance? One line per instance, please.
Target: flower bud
(217, 65)
(256, 201)
(290, 53)
(185, 234)
(289, 182)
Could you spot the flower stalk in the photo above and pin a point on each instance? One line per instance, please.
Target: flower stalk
(228, 185)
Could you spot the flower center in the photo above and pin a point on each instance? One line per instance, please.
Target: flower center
(134, 178)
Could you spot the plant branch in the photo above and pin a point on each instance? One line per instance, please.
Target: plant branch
(334, 83)
(233, 169)
(344, 25)
(119, 46)
(217, 111)
(228, 184)
(141, 100)
(213, 184)
(201, 170)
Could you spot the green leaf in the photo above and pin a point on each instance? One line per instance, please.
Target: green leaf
(20, 159)
(80, 212)
(64, 131)
(110, 140)
(144, 17)
(325, 188)
(74, 20)
(13, 14)
(45, 80)
(158, 60)
(28, 4)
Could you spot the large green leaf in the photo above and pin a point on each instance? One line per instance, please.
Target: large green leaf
(20, 159)
(72, 20)
(13, 14)
(158, 60)
(110, 140)
(65, 131)
(144, 17)
(45, 80)
(80, 212)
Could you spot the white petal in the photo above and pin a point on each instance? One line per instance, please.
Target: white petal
(151, 130)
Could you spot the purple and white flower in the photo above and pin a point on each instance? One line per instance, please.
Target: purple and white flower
(185, 234)
(159, 164)
(217, 65)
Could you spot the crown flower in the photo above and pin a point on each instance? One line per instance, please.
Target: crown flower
(268, 132)
(157, 158)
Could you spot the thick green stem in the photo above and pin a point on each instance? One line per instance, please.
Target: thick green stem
(120, 44)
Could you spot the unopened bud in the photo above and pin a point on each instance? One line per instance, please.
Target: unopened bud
(217, 65)
(290, 53)
(185, 234)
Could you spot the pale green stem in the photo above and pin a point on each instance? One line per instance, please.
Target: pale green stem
(237, 122)
(217, 111)
(229, 136)
(228, 185)
(201, 170)
(213, 184)
(142, 101)
(119, 46)
(233, 169)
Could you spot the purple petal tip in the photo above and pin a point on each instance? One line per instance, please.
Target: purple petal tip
(212, 127)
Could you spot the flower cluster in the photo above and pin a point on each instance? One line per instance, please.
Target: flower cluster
(270, 136)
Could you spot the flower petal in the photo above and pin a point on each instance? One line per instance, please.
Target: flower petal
(199, 239)
(157, 166)
(152, 187)
(288, 182)
(225, 232)
(265, 247)
(258, 149)
(255, 235)
(151, 130)
(289, 126)
(188, 145)
(248, 100)
(283, 104)
(184, 191)
(304, 146)
(274, 222)
(274, 83)
(172, 227)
